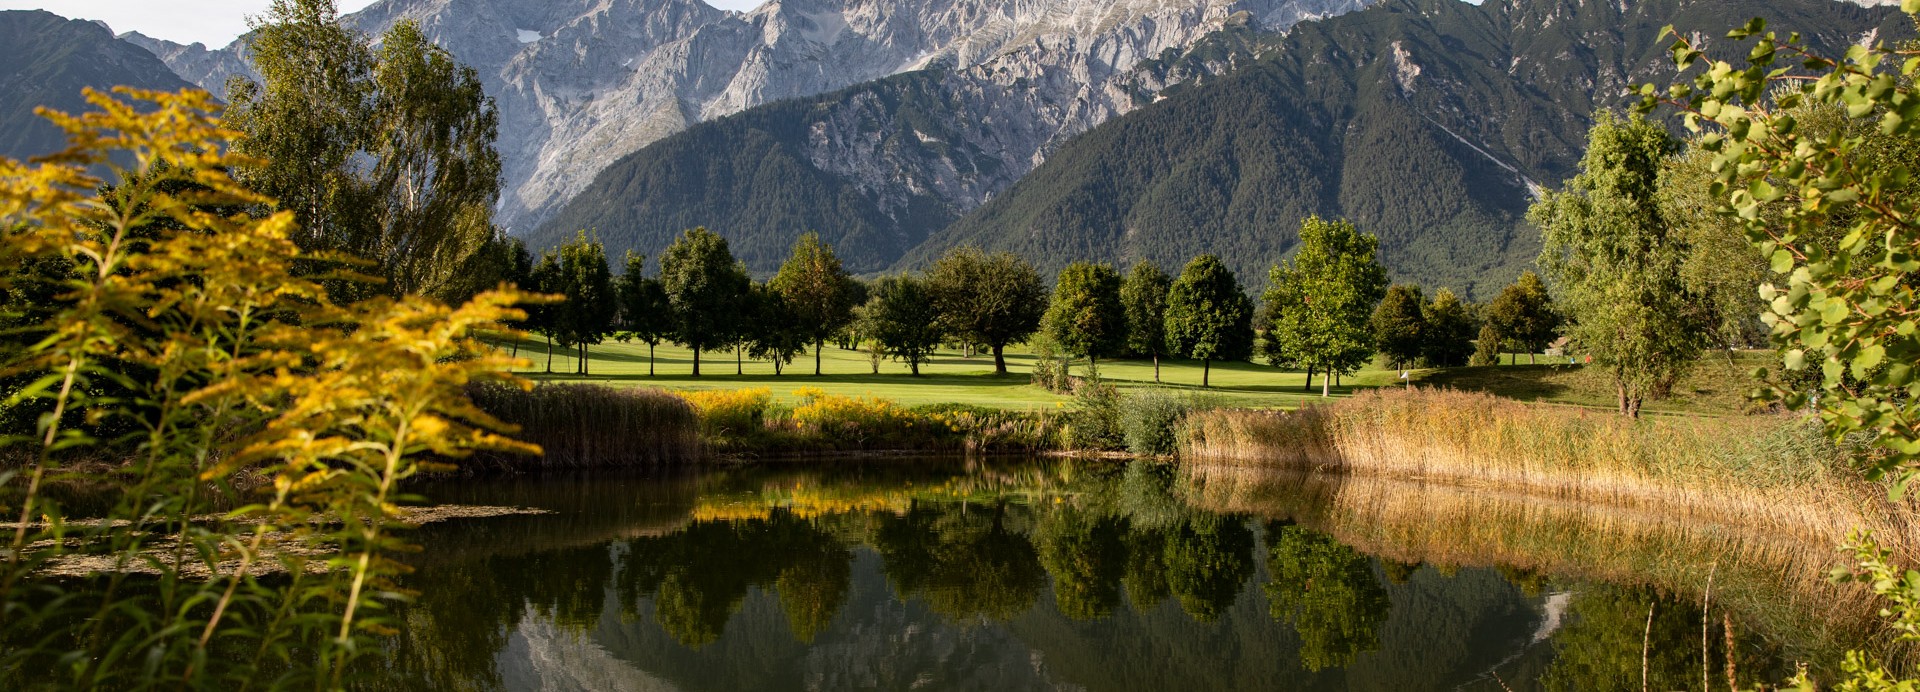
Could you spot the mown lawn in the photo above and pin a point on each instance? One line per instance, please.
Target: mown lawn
(949, 378)
(1716, 386)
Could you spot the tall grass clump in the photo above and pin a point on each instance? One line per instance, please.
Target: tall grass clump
(1150, 421)
(580, 425)
(1769, 470)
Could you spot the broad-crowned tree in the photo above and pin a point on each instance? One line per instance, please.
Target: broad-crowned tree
(586, 317)
(994, 299)
(901, 317)
(1324, 296)
(1144, 296)
(705, 289)
(1085, 316)
(1451, 325)
(385, 153)
(1615, 261)
(1524, 314)
(818, 291)
(645, 313)
(1209, 317)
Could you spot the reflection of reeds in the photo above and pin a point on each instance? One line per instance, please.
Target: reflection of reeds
(588, 425)
(1769, 472)
(1771, 580)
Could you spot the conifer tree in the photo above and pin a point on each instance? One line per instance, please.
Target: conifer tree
(1400, 325)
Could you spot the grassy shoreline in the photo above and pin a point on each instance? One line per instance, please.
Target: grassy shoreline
(1771, 472)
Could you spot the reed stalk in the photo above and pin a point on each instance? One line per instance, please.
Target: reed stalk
(581, 425)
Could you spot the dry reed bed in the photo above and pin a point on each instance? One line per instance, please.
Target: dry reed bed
(1769, 472)
(578, 425)
(1770, 581)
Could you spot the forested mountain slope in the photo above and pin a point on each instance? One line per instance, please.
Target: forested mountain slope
(48, 61)
(1427, 122)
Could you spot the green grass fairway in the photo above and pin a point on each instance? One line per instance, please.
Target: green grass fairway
(1714, 387)
(1717, 385)
(950, 378)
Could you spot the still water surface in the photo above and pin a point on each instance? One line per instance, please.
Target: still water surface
(1022, 575)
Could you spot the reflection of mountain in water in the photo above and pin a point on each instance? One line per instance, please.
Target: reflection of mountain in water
(1082, 579)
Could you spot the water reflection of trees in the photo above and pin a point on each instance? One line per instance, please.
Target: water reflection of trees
(1114, 544)
(1328, 591)
(698, 577)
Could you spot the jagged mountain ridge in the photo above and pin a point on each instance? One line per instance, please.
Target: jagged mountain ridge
(581, 83)
(1431, 123)
(51, 59)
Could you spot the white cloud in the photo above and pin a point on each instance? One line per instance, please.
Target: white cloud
(213, 22)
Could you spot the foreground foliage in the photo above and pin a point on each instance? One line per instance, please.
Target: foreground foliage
(246, 424)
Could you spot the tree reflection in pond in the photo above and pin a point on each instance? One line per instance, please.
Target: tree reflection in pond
(964, 561)
(1040, 576)
(1328, 591)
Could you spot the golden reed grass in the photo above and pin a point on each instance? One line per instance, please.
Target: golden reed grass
(1773, 473)
(1771, 582)
(580, 425)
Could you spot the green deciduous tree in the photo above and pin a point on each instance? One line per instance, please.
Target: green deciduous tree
(901, 317)
(645, 313)
(1324, 296)
(1208, 317)
(587, 315)
(1144, 296)
(1451, 324)
(1085, 316)
(993, 299)
(385, 154)
(817, 289)
(706, 290)
(1851, 306)
(1615, 262)
(1400, 325)
(1524, 314)
(776, 330)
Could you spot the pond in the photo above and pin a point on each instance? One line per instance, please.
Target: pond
(1085, 575)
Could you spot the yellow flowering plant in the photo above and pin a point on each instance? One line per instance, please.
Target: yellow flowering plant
(165, 338)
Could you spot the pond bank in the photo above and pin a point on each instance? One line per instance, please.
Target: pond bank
(1772, 472)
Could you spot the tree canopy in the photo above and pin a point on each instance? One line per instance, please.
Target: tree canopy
(1323, 297)
(1208, 317)
(1144, 297)
(1523, 313)
(817, 289)
(1615, 261)
(1085, 316)
(1400, 325)
(386, 154)
(993, 299)
(706, 289)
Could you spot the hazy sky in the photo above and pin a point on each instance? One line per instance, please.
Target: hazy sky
(212, 22)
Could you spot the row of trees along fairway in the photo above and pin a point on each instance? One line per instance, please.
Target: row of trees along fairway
(1324, 310)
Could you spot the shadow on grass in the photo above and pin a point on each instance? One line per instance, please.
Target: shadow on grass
(1522, 382)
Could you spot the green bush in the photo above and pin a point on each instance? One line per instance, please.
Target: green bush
(1149, 421)
(1095, 422)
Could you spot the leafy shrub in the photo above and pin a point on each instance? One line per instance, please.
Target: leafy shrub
(1049, 369)
(1149, 421)
(731, 412)
(1095, 422)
